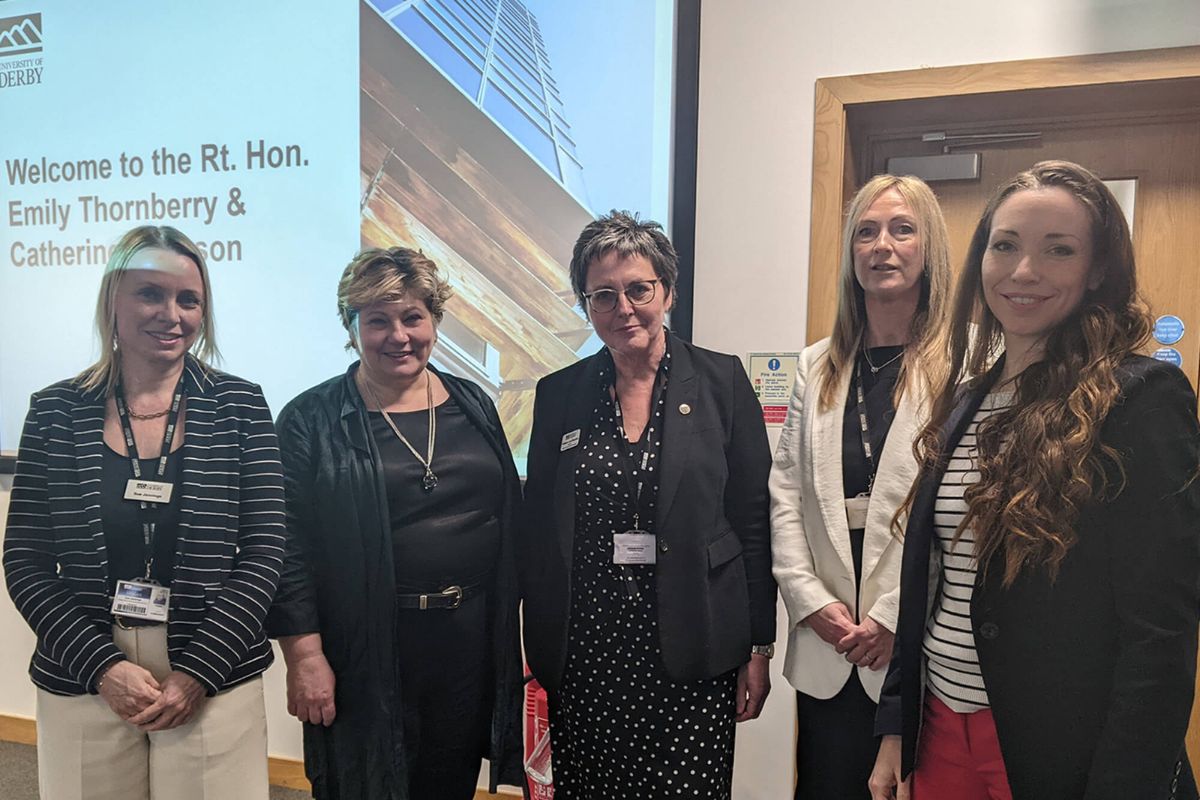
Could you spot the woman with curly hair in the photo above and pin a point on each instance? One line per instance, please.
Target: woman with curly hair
(1048, 649)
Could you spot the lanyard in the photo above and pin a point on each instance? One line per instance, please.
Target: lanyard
(630, 463)
(144, 509)
(626, 451)
(864, 430)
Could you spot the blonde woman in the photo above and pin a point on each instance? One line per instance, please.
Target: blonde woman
(143, 546)
(844, 465)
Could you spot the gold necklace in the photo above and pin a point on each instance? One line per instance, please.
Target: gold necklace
(155, 415)
(429, 480)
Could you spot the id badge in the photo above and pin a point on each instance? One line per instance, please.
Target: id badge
(633, 547)
(856, 511)
(141, 600)
(148, 491)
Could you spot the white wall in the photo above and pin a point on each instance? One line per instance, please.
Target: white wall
(759, 62)
(759, 59)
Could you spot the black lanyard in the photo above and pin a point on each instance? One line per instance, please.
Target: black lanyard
(626, 451)
(864, 429)
(144, 508)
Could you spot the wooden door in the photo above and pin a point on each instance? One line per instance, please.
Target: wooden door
(1148, 131)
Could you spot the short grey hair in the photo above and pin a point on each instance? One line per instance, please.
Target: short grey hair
(623, 233)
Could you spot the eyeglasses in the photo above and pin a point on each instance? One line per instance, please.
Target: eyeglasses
(637, 293)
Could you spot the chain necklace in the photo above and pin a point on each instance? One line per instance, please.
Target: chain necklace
(429, 480)
(874, 369)
(155, 415)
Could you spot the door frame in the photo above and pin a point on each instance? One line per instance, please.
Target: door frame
(833, 181)
(833, 161)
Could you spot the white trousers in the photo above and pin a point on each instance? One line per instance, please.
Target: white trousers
(86, 752)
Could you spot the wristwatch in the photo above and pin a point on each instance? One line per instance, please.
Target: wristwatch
(767, 650)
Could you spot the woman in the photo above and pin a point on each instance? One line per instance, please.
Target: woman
(645, 560)
(844, 465)
(1057, 636)
(143, 545)
(397, 608)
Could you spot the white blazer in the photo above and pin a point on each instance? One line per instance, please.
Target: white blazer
(810, 538)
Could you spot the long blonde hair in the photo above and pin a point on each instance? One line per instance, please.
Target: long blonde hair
(925, 353)
(105, 374)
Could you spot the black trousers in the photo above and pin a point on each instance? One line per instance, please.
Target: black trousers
(835, 744)
(445, 667)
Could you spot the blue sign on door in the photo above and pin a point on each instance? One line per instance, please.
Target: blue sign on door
(1169, 355)
(1168, 329)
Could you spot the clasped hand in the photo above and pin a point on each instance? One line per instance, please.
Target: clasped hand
(865, 645)
(140, 699)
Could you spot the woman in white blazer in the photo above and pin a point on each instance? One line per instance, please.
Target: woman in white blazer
(845, 464)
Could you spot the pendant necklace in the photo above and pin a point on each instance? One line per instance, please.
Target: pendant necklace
(429, 480)
(874, 369)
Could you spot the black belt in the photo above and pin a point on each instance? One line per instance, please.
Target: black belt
(451, 597)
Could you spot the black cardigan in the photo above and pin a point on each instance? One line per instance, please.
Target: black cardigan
(1090, 679)
(338, 579)
(716, 594)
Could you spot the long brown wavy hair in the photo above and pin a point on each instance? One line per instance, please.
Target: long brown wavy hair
(925, 353)
(1042, 460)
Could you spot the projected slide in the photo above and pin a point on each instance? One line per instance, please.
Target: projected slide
(485, 132)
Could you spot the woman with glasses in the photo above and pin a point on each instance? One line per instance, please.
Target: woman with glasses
(844, 465)
(645, 554)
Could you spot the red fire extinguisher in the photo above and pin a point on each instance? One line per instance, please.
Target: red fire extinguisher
(538, 773)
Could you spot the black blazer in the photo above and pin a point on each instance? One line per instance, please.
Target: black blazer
(716, 595)
(229, 547)
(1090, 679)
(339, 579)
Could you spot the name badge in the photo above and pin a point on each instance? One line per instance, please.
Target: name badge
(148, 491)
(569, 440)
(856, 511)
(633, 547)
(141, 600)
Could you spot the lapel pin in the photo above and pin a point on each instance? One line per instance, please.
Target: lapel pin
(684, 408)
(569, 440)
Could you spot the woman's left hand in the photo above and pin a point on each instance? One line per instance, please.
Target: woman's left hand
(182, 696)
(868, 645)
(753, 686)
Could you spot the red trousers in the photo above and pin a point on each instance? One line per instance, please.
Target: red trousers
(959, 756)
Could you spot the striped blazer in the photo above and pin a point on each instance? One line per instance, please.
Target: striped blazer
(229, 547)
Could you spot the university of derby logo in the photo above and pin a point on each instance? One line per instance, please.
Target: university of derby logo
(20, 51)
(20, 35)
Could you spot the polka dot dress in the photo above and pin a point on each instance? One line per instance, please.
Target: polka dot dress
(620, 727)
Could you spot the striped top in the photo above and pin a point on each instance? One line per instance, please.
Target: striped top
(952, 664)
(228, 550)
